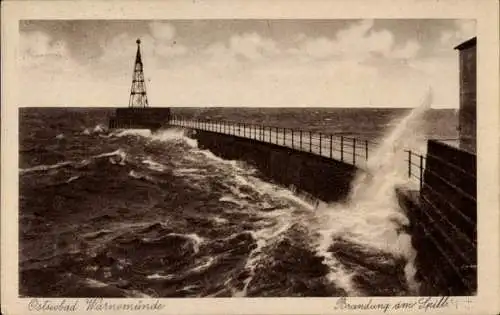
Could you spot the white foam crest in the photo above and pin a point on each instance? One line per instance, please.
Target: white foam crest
(372, 216)
(86, 132)
(165, 135)
(200, 267)
(215, 158)
(116, 152)
(155, 166)
(207, 262)
(60, 136)
(231, 199)
(133, 132)
(194, 238)
(283, 220)
(188, 170)
(157, 276)
(219, 220)
(99, 129)
(337, 273)
(40, 168)
(137, 175)
(172, 135)
(72, 178)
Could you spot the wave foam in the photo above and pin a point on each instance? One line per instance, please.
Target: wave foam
(372, 216)
(41, 168)
(155, 166)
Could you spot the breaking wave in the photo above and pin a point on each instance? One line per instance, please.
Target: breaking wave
(154, 215)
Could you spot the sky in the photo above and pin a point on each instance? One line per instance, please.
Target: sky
(263, 63)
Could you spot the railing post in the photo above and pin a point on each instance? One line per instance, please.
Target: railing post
(284, 135)
(292, 139)
(409, 163)
(276, 135)
(366, 149)
(300, 139)
(331, 146)
(421, 171)
(320, 142)
(342, 148)
(310, 141)
(353, 151)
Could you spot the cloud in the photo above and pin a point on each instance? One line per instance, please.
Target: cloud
(359, 66)
(37, 43)
(408, 51)
(162, 31)
(464, 30)
(38, 49)
(359, 42)
(252, 46)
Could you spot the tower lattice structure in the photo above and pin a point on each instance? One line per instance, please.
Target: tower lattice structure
(138, 96)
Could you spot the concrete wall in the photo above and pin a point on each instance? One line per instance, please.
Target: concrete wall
(323, 178)
(467, 118)
(140, 118)
(443, 220)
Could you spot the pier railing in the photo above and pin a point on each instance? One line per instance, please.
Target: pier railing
(352, 150)
(416, 167)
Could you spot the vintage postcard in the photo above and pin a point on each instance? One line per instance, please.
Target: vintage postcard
(232, 157)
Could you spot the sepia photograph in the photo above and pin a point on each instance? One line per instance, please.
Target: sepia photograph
(216, 157)
(247, 158)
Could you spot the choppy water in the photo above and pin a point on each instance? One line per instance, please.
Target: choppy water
(130, 213)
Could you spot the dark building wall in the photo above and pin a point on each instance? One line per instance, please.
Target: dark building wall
(323, 178)
(467, 118)
(443, 218)
(140, 118)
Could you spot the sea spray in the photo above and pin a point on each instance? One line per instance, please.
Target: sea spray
(371, 216)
